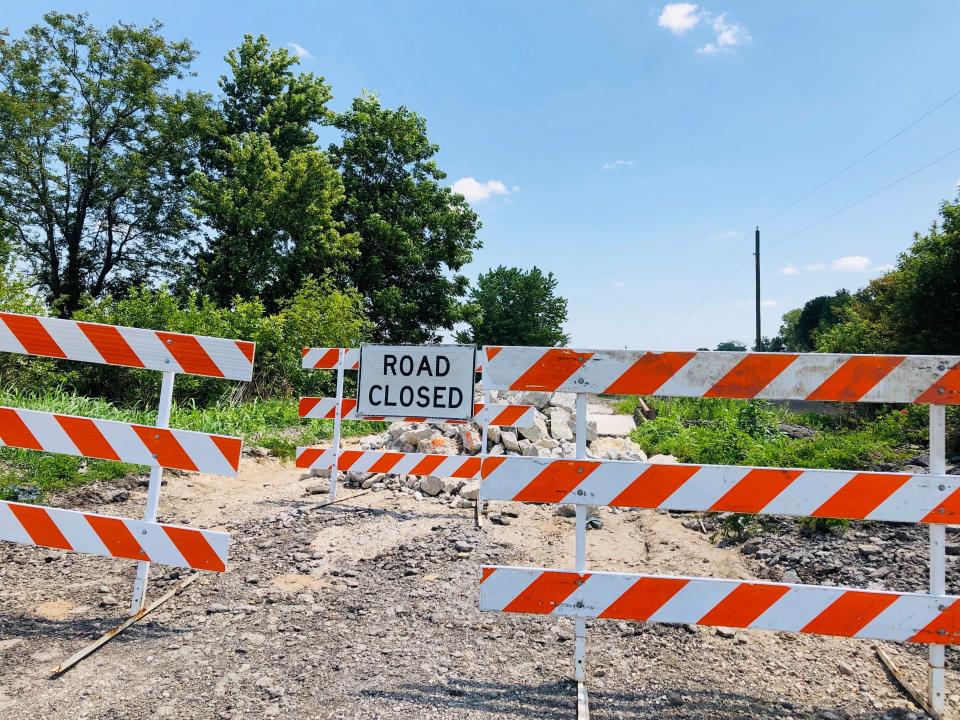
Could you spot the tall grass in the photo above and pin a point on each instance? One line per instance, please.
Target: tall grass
(274, 424)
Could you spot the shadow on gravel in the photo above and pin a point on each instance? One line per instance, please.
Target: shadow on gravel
(557, 701)
(85, 629)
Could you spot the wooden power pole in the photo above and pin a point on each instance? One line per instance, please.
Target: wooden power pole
(759, 344)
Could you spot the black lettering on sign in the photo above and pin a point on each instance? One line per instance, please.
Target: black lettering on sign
(389, 364)
(423, 396)
(372, 389)
(424, 368)
(406, 396)
(406, 366)
(458, 393)
(443, 365)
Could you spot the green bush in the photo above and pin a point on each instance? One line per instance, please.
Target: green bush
(316, 316)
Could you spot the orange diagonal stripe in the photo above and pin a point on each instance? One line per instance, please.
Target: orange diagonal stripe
(428, 465)
(194, 548)
(643, 598)
(87, 437)
(945, 391)
(117, 537)
(230, 447)
(542, 596)
(162, 443)
(39, 526)
(654, 485)
(385, 462)
(485, 573)
(510, 415)
(347, 458)
(947, 512)
(188, 351)
(556, 480)
(247, 348)
(489, 464)
(14, 432)
(469, 468)
(745, 604)
(32, 335)
(553, 368)
(861, 495)
(755, 491)
(944, 629)
(110, 344)
(849, 613)
(309, 455)
(307, 404)
(856, 377)
(649, 373)
(751, 375)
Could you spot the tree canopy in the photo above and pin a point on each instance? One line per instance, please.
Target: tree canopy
(511, 307)
(266, 191)
(95, 151)
(415, 234)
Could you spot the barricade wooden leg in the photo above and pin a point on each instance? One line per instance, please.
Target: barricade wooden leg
(337, 420)
(153, 493)
(938, 554)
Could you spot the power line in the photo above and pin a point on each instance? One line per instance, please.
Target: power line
(864, 198)
(861, 158)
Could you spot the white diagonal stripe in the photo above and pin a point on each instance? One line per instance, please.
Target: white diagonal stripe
(904, 618)
(71, 339)
(10, 528)
(605, 483)
(504, 585)
(808, 492)
(908, 380)
(705, 487)
(800, 605)
(693, 601)
(802, 376)
(701, 373)
(8, 341)
(125, 442)
(509, 478)
(78, 532)
(48, 432)
(204, 453)
(915, 498)
(151, 350)
(601, 590)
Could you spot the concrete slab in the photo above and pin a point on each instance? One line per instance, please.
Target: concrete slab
(614, 425)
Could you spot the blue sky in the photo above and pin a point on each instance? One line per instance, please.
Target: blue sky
(630, 148)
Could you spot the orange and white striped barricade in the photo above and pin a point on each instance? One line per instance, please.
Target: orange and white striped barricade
(156, 446)
(340, 408)
(933, 498)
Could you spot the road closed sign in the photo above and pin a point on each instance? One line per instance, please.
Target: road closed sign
(433, 381)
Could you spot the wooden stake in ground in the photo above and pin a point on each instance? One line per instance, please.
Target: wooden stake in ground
(905, 684)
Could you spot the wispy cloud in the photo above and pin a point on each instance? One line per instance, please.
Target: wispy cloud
(790, 269)
(618, 284)
(679, 18)
(299, 50)
(729, 35)
(851, 263)
(726, 235)
(614, 164)
(475, 191)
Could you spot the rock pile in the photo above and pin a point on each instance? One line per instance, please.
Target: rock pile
(552, 434)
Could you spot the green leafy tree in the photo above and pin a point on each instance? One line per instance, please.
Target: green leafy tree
(817, 316)
(732, 346)
(511, 307)
(415, 234)
(267, 192)
(95, 151)
(914, 308)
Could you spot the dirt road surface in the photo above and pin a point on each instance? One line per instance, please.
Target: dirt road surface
(368, 609)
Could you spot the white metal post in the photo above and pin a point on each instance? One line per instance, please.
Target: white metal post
(938, 554)
(153, 492)
(580, 642)
(338, 412)
(478, 508)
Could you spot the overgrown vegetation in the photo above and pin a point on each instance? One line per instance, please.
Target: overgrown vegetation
(273, 424)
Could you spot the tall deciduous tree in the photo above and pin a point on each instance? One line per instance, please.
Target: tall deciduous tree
(266, 192)
(95, 151)
(511, 307)
(415, 234)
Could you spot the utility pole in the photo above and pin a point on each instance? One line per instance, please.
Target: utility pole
(759, 344)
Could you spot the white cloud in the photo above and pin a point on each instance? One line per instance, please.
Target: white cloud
(725, 235)
(728, 36)
(618, 163)
(816, 267)
(882, 268)
(475, 191)
(299, 50)
(851, 263)
(769, 303)
(790, 269)
(619, 284)
(679, 17)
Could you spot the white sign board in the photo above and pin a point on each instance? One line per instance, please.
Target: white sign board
(417, 380)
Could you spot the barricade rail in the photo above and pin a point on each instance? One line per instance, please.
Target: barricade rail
(157, 446)
(932, 498)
